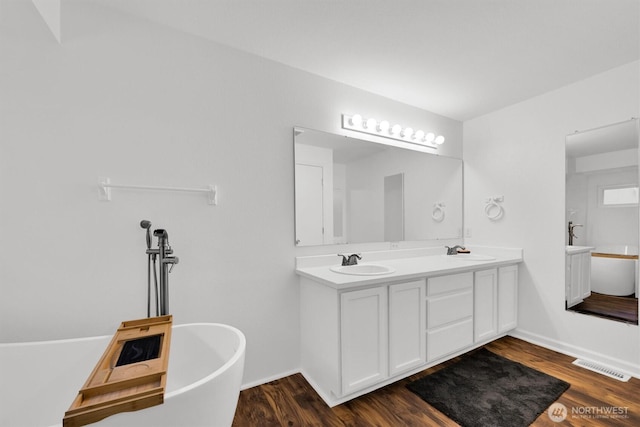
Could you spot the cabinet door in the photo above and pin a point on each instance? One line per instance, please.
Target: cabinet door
(507, 298)
(406, 326)
(485, 299)
(585, 275)
(575, 277)
(363, 338)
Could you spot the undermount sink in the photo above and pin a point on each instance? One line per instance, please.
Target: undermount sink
(470, 257)
(363, 269)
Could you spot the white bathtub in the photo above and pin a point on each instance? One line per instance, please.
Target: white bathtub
(39, 380)
(614, 270)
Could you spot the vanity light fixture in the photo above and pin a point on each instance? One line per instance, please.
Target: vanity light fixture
(383, 128)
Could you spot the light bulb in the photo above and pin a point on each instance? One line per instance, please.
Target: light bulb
(395, 130)
(419, 135)
(407, 132)
(430, 137)
(371, 124)
(440, 140)
(383, 126)
(356, 120)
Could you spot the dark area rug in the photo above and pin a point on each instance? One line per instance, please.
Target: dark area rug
(484, 389)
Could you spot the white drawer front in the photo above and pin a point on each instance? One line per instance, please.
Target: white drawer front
(451, 283)
(448, 308)
(448, 339)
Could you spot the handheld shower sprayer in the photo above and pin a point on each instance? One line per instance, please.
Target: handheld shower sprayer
(147, 225)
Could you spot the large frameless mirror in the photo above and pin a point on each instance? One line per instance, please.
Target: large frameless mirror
(353, 191)
(602, 222)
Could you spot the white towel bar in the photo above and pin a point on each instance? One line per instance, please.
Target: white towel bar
(105, 186)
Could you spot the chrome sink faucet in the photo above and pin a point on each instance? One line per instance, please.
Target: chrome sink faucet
(453, 250)
(571, 233)
(350, 259)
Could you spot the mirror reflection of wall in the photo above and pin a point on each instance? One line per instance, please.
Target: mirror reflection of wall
(394, 208)
(602, 217)
(362, 191)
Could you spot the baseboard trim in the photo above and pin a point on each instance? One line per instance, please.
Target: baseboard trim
(269, 379)
(560, 347)
(577, 352)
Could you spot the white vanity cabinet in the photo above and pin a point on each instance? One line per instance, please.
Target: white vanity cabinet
(359, 333)
(355, 339)
(381, 333)
(495, 302)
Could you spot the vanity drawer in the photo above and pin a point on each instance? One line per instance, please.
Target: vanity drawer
(448, 308)
(450, 283)
(450, 338)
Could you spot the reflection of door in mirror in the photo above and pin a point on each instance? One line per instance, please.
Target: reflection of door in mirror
(394, 208)
(338, 216)
(602, 221)
(314, 195)
(309, 221)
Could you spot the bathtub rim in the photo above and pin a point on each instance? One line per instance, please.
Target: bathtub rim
(239, 352)
(237, 355)
(613, 250)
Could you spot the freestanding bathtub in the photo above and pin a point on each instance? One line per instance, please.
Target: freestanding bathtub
(39, 380)
(614, 270)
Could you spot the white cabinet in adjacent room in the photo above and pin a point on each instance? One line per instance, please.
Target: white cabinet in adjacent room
(578, 277)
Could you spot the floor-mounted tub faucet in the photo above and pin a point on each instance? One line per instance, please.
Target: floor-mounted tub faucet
(162, 256)
(163, 251)
(571, 233)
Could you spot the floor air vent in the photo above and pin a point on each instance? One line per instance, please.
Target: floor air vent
(595, 367)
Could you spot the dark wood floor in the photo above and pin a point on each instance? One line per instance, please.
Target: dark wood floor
(292, 402)
(621, 309)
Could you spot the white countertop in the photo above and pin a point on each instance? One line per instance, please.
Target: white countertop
(578, 249)
(408, 264)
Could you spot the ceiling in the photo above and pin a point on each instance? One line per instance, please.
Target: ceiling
(457, 58)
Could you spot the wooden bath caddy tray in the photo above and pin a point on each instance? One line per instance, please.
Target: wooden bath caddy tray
(131, 374)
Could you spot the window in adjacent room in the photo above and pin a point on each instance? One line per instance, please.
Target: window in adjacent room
(619, 195)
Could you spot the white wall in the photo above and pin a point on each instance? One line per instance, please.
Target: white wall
(142, 104)
(518, 152)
